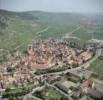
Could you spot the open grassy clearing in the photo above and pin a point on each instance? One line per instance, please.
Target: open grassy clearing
(97, 66)
(50, 93)
(57, 30)
(54, 95)
(86, 34)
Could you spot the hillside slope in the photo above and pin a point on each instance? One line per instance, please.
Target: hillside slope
(17, 29)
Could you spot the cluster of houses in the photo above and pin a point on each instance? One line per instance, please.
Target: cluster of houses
(72, 86)
(95, 44)
(92, 89)
(41, 54)
(44, 54)
(17, 79)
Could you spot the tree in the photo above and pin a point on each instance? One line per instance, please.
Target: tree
(10, 69)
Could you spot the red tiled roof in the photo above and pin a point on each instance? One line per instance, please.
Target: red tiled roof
(86, 84)
(33, 65)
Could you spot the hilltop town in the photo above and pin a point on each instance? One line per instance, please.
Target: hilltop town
(51, 49)
(51, 65)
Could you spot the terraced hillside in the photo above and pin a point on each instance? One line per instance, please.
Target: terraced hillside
(17, 29)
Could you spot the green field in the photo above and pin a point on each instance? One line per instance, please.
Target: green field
(85, 33)
(50, 93)
(97, 66)
(14, 92)
(54, 95)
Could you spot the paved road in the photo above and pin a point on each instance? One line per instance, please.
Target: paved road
(43, 30)
(85, 65)
(70, 33)
(30, 94)
(58, 90)
(94, 73)
(66, 71)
